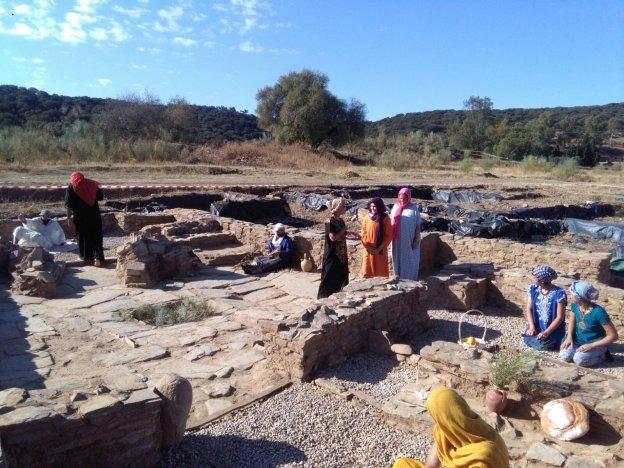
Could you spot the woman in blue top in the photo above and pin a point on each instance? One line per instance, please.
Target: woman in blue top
(590, 329)
(280, 248)
(544, 311)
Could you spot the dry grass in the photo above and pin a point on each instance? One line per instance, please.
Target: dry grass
(266, 154)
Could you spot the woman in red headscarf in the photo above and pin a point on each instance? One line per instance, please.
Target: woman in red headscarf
(81, 200)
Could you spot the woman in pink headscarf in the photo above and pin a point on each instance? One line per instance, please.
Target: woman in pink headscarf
(405, 236)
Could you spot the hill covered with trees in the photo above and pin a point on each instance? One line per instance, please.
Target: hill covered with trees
(33, 109)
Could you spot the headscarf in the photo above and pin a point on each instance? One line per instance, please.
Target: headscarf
(277, 240)
(379, 216)
(462, 438)
(85, 188)
(336, 203)
(544, 273)
(45, 214)
(584, 291)
(397, 216)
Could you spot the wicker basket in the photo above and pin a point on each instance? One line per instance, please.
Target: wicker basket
(479, 342)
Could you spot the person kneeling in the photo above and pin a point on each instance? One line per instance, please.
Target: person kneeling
(589, 330)
(279, 256)
(461, 437)
(544, 311)
(42, 231)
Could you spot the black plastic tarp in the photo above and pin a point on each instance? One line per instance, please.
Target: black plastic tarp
(496, 226)
(457, 196)
(617, 260)
(310, 201)
(587, 211)
(583, 227)
(261, 209)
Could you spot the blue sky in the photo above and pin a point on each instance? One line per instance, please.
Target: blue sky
(395, 56)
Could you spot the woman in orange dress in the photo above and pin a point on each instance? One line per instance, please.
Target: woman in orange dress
(376, 236)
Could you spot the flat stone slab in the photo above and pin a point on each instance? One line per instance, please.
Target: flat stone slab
(12, 396)
(86, 278)
(25, 362)
(249, 287)
(546, 454)
(90, 299)
(242, 360)
(201, 351)
(98, 404)
(302, 286)
(123, 329)
(119, 303)
(156, 296)
(184, 368)
(142, 354)
(613, 407)
(24, 414)
(217, 405)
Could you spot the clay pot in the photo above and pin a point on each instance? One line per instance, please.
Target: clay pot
(496, 400)
(307, 265)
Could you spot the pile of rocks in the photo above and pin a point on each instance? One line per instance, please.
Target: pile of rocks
(146, 260)
(35, 273)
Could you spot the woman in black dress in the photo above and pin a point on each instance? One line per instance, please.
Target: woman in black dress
(81, 201)
(335, 271)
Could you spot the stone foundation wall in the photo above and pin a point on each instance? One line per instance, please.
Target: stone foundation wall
(590, 266)
(103, 431)
(339, 326)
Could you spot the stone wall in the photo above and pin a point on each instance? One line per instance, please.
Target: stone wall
(587, 265)
(103, 430)
(328, 332)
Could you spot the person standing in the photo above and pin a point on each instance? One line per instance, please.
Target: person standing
(335, 270)
(81, 201)
(405, 236)
(376, 236)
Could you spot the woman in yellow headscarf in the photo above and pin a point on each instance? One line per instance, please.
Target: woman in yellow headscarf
(461, 438)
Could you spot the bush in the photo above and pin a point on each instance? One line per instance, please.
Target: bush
(569, 170)
(396, 160)
(187, 310)
(466, 165)
(488, 162)
(509, 367)
(535, 164)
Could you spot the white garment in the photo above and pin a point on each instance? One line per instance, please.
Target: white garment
(406, 249)
(36, 234)
(277, 241)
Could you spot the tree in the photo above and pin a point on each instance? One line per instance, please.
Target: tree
(299, 107)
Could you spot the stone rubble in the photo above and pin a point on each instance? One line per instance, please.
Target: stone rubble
(35, 273)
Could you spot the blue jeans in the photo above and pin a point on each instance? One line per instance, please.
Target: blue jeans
(585, 359)
(549, 344)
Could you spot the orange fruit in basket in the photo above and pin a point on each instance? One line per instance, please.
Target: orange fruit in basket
(471, 341)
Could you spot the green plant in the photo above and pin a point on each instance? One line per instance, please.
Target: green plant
(535, 164)
(509, 367)
(187, 310)
(569, 170)
(466, 164)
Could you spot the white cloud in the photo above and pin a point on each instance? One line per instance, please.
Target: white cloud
(248, 47)
(131, 12)
(21, 9)
(149, 50)
(103, 81)
(139, 67)
(37, 77)
(185, 41)
(99, 34)
(242, 15)
(171, 16)
(18, 29)
(27, 60)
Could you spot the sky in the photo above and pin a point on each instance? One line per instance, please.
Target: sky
(395, 56)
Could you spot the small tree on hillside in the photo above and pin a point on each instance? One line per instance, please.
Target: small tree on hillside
(299, 107)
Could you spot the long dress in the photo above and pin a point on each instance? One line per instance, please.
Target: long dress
(375, 265)
(335, 271)
(35, 232)
(88, 224)
(406, 249)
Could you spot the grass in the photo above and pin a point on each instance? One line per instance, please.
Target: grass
(535, 164)
(187, 310)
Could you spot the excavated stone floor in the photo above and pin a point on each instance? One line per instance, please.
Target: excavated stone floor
(80, 341)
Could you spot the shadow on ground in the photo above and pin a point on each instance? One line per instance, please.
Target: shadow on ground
(229, 450)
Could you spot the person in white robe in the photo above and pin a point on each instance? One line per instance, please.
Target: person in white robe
(405, 218)
(42, 231)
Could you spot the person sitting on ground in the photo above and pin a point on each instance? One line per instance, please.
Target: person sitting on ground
(42, 231)
(544, 311)
(589, 330)
(280, 254)
(461, 438)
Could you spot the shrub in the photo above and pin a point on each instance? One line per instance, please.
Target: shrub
(535, 164)
(509, 367)
(396, 159)
(569, 170)
(188, 310)
(466, 165)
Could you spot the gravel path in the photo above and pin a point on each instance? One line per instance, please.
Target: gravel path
(301, 426)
